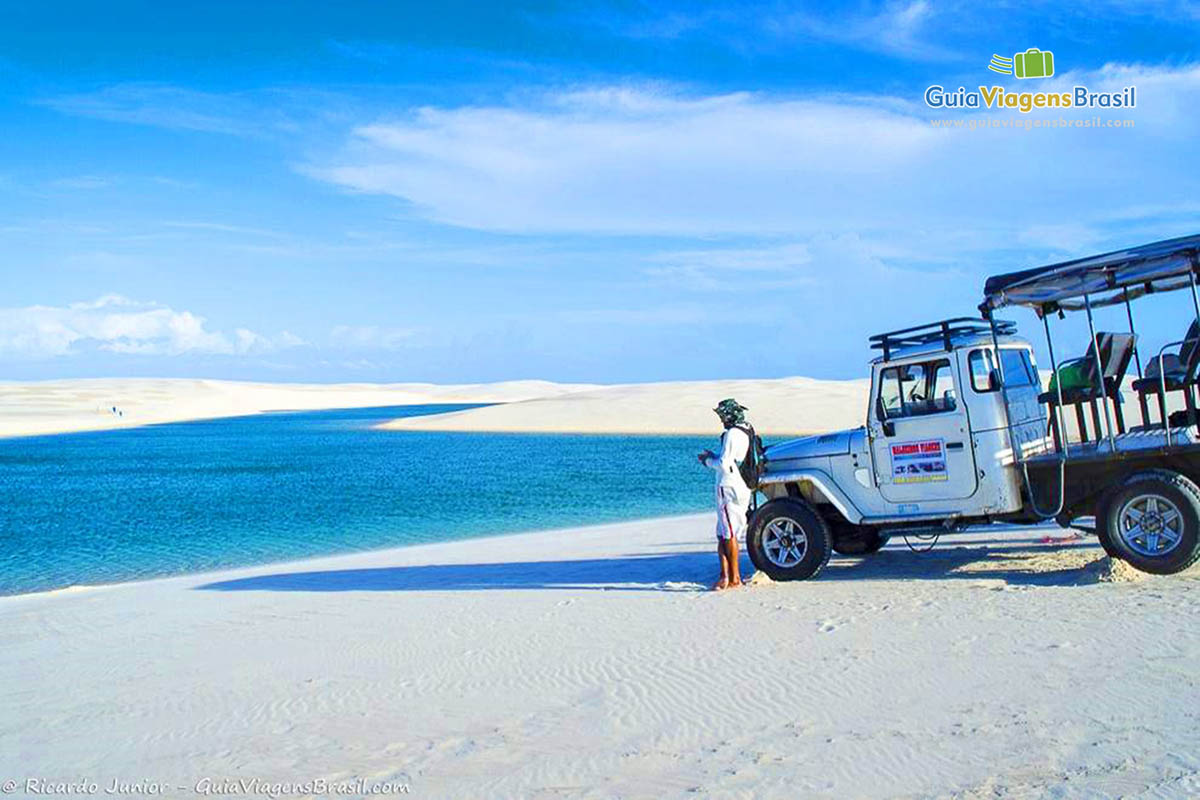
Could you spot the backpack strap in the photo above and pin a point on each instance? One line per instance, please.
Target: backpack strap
(748, 429)
(752, 461)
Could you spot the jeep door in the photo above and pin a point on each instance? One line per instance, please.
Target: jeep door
(920, 434)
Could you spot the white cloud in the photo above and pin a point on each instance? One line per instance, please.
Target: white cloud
(895, 28)
(1065, 237)
(900, 29)
(116, 324)
(247, 342)
(162, 106)
(252, 113)
(219, 227)
(649, 160)
(371, 337)
(626, 160)
(771, 266)
(775, 258)
(84, 182)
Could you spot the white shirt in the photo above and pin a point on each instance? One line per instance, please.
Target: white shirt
(735, 444)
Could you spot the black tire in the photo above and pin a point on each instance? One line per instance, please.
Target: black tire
(855, 540)
(771, 529)
(1171, 494)
(1102, 529)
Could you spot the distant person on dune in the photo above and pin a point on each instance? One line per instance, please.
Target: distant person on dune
(733, 495)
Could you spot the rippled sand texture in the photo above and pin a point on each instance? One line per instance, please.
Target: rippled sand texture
(591, 663)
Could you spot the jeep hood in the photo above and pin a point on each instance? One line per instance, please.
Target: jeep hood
(827, 444)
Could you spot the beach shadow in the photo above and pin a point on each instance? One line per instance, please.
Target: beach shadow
(1018, 563)
(1024, 564)
(673, 572)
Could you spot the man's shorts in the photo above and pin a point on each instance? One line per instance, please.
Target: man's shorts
(731, 515)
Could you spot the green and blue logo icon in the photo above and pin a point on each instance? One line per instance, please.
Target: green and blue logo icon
(1033, 63)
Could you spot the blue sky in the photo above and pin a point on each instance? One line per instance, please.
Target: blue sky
(584, 192)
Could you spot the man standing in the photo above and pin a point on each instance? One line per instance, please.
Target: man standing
(733, 495)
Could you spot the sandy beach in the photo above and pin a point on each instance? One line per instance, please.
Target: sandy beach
(593, 662)
(590, 663)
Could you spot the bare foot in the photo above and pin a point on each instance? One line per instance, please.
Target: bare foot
(735, 582)
(723, 583)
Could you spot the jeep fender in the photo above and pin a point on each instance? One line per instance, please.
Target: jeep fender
(824, 486)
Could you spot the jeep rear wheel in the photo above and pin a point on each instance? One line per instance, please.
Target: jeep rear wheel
(1152, 521)
(788, 540)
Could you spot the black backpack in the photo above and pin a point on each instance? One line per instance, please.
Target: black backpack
(750, 466)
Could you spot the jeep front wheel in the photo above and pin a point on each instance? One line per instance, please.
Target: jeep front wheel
(1152, 521)
(788, 540)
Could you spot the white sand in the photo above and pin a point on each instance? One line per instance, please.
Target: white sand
(779, 406)
(28, 409)
(584, 663)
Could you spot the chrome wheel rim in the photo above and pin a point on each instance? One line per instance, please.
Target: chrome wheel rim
(1150, 525)
(784, 542)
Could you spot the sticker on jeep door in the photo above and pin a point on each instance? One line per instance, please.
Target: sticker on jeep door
(919, 462)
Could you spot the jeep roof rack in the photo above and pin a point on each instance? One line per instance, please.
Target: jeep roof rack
(944, 331)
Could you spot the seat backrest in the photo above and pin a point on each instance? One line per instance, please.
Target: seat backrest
(1120, 353)
(1189, 351)
(1088, 365)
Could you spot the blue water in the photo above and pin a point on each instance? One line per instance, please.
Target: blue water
(124, 505)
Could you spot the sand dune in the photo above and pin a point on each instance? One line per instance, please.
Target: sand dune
(28, 409)
(779, 406)
(588, 663)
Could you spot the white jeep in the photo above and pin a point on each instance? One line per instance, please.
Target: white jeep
(960, 432)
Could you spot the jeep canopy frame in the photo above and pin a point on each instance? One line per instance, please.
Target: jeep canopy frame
(1086, 283)
(1103, 280)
